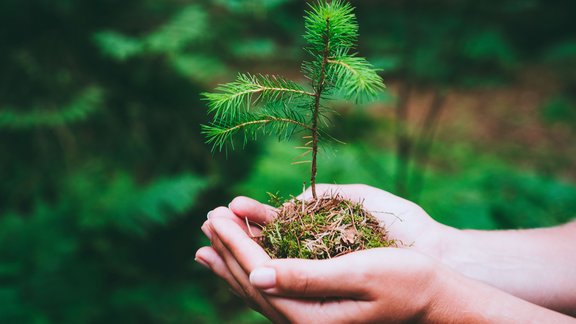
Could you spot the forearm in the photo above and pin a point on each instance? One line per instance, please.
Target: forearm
(536, 265)
(462, 300)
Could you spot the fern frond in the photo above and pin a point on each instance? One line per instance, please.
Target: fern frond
(248, 90)
(334, 21)
(354, 77)
(283, 122)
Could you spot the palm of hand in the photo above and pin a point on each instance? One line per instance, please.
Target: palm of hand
(403, 219)
(301, 294)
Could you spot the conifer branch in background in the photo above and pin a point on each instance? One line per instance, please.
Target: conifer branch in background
(261, 104)
(80, 108)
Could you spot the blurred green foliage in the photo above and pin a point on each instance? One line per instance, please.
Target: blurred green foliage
(106, 178)
(486, 194)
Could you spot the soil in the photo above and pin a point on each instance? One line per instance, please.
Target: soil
(323, 228)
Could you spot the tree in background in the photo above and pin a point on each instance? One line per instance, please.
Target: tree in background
(452, 46)
(450, 49)
(102, 156)
(105, 177)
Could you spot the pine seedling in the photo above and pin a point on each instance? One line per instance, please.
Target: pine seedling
(272, 105)
(252, 105)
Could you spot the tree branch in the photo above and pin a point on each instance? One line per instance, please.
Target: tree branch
(346, 66)
(262, 89)
(266, 120)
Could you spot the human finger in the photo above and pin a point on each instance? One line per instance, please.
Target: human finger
(209, 258)
(243, 248)
(238, 250)
(253, 210)
(315, 278)
(251, 295)
(244, 223)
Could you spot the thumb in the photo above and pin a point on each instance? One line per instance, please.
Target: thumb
(312, 278)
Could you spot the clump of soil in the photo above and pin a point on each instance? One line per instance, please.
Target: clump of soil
(322, 228)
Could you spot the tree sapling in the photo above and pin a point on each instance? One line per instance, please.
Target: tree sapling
(324, 226)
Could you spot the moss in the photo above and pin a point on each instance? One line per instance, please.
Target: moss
(322, 228)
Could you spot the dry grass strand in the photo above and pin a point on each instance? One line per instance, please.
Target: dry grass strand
(322, 228)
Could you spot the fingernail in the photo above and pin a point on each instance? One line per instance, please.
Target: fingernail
(231, 204)
(263, 278)
(202, 262)
(206, 232)
(208, 215)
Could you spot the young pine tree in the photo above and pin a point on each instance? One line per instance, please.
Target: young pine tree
(262, 104)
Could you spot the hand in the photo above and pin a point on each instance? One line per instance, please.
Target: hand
(404, 220)
(220, 259)
(378, 285)
(384, 284)
(513, 261)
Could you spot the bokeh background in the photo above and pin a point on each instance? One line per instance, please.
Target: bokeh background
(105, 178)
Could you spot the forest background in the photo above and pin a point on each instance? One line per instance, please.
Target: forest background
(105, 178)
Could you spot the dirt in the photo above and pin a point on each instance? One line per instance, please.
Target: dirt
(322, 228)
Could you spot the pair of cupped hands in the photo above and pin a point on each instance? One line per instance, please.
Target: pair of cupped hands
(377, 285)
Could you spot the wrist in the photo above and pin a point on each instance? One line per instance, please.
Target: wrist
(460, 299)
(455, 298)
(455, 250)
(476, 255)
(442, 242)
(444, 297)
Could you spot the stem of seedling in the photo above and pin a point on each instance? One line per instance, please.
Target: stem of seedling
(318, 96)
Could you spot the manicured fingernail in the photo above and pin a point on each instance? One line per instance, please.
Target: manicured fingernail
(263, 278)
(202, 262)
(208, 215)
